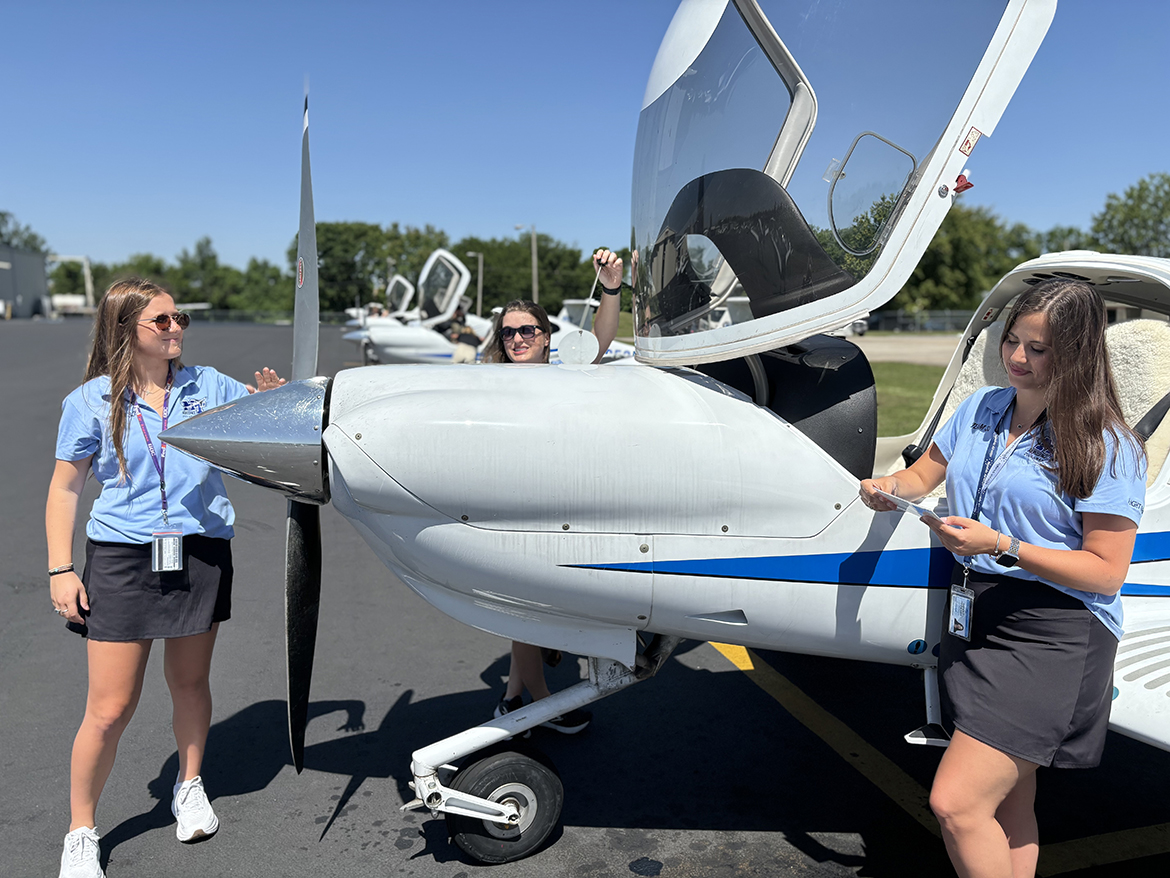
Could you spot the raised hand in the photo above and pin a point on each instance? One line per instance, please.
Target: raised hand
(266, 379)
(609, 266)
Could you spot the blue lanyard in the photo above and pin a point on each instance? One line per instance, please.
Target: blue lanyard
(988, 460)
(159, 460)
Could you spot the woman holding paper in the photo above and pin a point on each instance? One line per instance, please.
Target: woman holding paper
(1051, 484)
(158, 555)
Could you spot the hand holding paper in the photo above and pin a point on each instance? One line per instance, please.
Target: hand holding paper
(907, 507)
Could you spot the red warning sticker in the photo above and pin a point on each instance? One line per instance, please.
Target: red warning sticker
(300, 271)
(969, 144)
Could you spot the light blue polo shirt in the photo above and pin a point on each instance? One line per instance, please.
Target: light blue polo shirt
(1024, 499)
(131, 511)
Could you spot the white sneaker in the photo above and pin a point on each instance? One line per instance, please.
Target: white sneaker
(193, 811)
(79, 859)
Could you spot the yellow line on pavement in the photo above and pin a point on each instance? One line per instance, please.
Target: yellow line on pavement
(906, 792)
(1100, 850)
(911, 797)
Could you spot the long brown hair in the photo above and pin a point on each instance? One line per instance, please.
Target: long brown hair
(115, 338)
(494, 352)
(1080, 395)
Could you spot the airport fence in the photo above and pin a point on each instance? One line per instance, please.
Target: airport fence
(279, 318)
(920, 321)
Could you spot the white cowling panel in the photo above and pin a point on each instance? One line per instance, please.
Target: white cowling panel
(535, 448)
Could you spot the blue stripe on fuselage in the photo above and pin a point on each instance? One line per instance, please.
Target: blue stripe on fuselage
(901, 568)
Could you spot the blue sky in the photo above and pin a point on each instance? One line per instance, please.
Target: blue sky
(140, 127)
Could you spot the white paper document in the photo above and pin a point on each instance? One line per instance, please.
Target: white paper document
(908, 507)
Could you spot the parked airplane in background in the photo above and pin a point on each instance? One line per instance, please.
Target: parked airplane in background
(726, 507)
(410, 336)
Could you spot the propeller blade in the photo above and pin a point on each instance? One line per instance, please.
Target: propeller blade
(302, 601)
(306, 313)
(302, 578)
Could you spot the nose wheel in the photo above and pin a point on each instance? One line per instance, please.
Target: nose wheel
(508, 777)
(369, 357)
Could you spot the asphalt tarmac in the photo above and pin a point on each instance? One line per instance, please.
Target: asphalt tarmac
(795, 767)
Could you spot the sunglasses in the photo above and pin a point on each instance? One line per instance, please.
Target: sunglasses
(527, 332)
(163, 321)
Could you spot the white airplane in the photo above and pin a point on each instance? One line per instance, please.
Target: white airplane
(399, 293)
(768, 546)
(404, 336)
(409, 336)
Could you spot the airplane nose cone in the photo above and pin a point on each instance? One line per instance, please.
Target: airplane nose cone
(272, 439)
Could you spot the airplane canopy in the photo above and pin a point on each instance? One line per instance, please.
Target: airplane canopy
(399, 292)
(440, 286)
(804, 158)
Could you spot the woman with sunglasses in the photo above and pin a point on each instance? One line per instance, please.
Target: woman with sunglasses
(158, 556)
(522, 335)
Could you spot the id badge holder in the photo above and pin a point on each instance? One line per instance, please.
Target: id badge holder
(166, 551)
(962, 610)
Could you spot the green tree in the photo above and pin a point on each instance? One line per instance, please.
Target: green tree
(351, 258)
(16, 235)
(264, 288)
(410, 247)
(860, 235)
(1138, 221)
(1060, 238)
(145, 265)
(198, 276)
(564, 272)
(970, 252)
(67, 277)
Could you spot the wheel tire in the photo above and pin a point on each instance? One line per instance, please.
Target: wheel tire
(532, 784)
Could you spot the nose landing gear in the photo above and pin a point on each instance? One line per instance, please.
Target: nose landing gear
(528, 782)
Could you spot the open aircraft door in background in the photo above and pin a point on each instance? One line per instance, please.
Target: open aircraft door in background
(440, 287)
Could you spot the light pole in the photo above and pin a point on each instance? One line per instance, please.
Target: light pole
(535, 284)
(478, 282)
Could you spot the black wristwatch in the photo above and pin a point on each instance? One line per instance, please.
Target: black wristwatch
(1010, 557)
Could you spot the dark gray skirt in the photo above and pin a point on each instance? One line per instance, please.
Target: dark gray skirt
(1036, 679)
(128, 601)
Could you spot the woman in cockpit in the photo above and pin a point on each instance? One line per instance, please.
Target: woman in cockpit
(522, 334)
(1053, 482)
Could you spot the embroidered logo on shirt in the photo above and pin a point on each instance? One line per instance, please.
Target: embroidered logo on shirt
(194, 406)
(1136, 505)
(980, 428)
(1040, 451)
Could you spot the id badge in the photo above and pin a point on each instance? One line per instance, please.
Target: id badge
(166, 551)
(962, 610)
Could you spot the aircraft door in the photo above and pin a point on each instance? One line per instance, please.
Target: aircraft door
(441, 284)
(804, 158)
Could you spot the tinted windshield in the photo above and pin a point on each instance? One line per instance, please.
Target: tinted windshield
(729, 199)
(399, 293)
(437, 288)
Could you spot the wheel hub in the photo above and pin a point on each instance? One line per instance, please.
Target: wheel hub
(520, 795)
